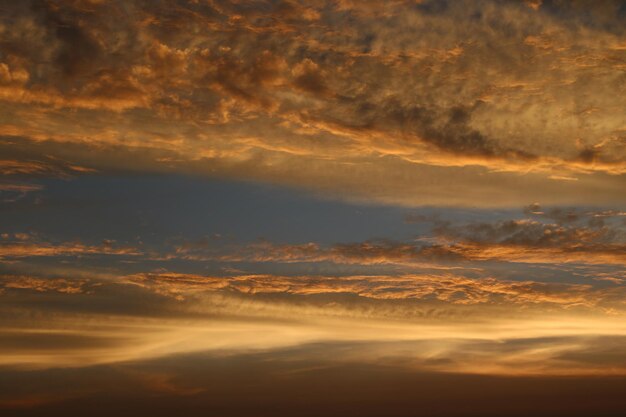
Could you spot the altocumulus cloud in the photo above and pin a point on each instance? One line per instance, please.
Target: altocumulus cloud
(300, 93)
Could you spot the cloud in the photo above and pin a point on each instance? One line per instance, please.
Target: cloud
(13, 191)
(553, 235)
(575, 236)
(322, 378)
(401, 89)
(375, 252)
(445, 288)
(18, 172)
(435, 323)
(427, 290)
(594, 218)
(44, 284)
(46, 168)
(22, 245)
(443, 296)
(19, 187)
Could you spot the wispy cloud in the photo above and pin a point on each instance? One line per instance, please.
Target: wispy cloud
(556, 235)
(24, 245)
(528, 327)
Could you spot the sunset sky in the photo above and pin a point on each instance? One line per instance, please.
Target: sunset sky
(348, 207)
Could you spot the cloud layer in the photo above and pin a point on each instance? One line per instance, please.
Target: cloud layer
(415, 94)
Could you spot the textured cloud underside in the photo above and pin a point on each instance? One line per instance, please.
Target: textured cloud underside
(432, 102)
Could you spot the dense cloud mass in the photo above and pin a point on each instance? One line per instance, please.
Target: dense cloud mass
(414, 93)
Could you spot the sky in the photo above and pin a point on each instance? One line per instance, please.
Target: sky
(267, 208)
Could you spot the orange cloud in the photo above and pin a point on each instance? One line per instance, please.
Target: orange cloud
(59, 285)
(26, 247)
(527, 327)
(443, 255)
(445, 288)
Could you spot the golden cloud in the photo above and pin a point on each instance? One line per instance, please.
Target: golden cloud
(401, 91)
